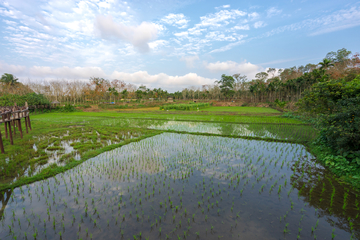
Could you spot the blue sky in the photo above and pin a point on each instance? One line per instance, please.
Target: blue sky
(169, 44)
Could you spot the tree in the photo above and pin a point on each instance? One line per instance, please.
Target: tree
(326, 63)
(112, 91)
(125, 93)
(9, 79)
(271, 71)
(339, 56)
(262, 76)
(226, 85)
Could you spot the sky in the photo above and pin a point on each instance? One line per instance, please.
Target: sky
(169, 44)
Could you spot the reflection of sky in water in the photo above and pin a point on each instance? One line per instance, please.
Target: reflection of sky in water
(275, 131)
(217, 169)
(214, 128)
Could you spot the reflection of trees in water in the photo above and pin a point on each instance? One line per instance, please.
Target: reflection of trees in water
(15, 169)
(280, 131)
(4, 198)
(318, 194)
(227, 129)
(259, 130)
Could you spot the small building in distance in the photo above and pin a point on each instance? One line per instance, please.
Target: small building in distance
(55, 103)
(170, 99)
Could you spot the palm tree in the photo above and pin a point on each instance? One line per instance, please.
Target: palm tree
(9, 79)
(326, 63)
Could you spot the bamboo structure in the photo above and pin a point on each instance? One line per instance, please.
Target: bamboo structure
(11, 117)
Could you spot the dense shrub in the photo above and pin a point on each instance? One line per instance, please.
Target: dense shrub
(324, 96)
(83, 106)
(341, 130)
(190, 106)
(30, 98)
(336, 104)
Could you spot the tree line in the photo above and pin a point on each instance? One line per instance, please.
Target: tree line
(287, 84)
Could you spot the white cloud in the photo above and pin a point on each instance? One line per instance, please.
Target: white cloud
(220, 18)
(273, 12)
(181, 34)
(339, 20)
(189, 60)
(240, 27)
(259, 24)
(230, 45)
(226, 6)
(253, 15)
(138, 36)
(66, 72)
(231, 67)
(171, 83)
(178, 20)
(220, 36)
(156, 45)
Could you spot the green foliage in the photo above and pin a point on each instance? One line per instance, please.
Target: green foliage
(279, 103)
(192, 106)
(83, 105)
(30, 98)
(66, 108)
(9, 79)
(324, 95)
(337, 105)
(341, 130)
(227, 85)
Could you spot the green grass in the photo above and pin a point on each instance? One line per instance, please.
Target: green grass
(241, 109)
(81, 117)
(185, 107)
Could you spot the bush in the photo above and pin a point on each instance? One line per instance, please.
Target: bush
(30, 98)
(190, 106)
(324, 96)
(66, 108)
(336, 104)
(84, 106)
(341, 130)
(279, 103)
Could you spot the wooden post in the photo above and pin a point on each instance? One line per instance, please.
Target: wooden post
(29, 122)
(6, 134)
(26, 124)
(13, 123)
(19, 126)
(10, 133)
(3, 119)
(1, 145)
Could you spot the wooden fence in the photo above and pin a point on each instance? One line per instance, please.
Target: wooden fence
(11, 117)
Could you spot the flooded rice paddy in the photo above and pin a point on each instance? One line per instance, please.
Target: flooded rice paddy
(180, 186)
(274, 131)
(58, 148)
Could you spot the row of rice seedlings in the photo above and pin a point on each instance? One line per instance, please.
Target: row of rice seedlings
(176, 184)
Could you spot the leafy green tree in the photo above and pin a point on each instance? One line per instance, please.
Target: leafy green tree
(125, 93)
(139, 94)
(325, 94)
(9, 79)
(226, 85)
(340, 55)
(326, 63)
(112, 91)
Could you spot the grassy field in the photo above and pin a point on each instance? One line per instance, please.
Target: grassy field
(163, 115)
(240, 109)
